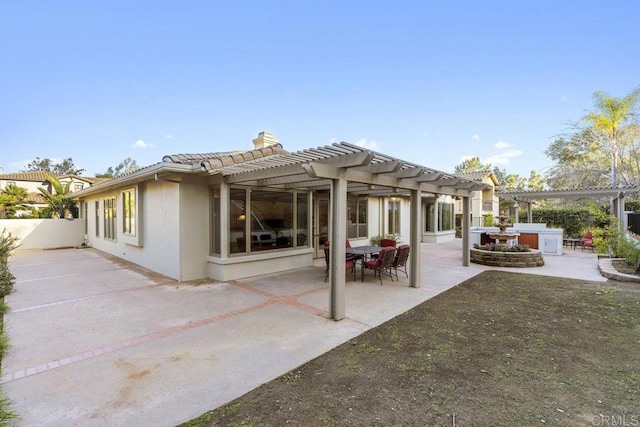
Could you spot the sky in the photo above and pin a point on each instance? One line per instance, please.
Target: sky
(430, 82)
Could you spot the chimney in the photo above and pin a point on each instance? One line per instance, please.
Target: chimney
(264, 139)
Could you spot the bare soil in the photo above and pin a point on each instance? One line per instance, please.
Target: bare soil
(501, 349)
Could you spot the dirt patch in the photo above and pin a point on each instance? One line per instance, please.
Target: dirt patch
(499, 349)
(621, 266)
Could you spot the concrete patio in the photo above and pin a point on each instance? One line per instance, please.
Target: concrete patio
(98, 341)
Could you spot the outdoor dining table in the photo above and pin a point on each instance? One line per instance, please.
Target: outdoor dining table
(364, 252)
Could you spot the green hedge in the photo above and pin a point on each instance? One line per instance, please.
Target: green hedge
(574, 221)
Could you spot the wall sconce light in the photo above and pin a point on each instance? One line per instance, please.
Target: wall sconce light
(242, 217)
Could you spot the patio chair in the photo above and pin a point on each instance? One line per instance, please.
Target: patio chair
(382, 264)
(347, 245)
(388, 243)
(400, 260)
(350, 264)
(587, 240)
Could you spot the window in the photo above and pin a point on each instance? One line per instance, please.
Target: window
(97, 206)
(78, 186)
(302, 219)
(445, 217)
(237, 220)
(356, 218)
(84, 207)
(393, 211)
(109, 216)
(129, 212)
(215, 221)
(262, 220)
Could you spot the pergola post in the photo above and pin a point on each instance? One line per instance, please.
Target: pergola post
(620, 205)
(337, 252)
(466, 230)
(415, 264)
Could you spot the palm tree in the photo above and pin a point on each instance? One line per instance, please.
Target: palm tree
(59, 201)
(611, 120)
(12, 200)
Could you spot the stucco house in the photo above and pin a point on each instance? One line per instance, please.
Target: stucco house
(235, 214)
(37, 179)
(483, 203)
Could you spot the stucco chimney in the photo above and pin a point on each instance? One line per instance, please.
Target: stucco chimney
(264, 139)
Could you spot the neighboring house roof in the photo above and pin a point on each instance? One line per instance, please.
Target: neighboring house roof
(41, 176)
(479, 176)
(25, 176)
(36, 199)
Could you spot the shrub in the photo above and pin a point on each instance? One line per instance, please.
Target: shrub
(629, 250)
(7, 245)
(489, 220)
(6, 281)
(6, 413)
(497, 248)
(375, 240)
(606, 240)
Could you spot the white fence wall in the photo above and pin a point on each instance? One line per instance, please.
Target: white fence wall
(45, 233)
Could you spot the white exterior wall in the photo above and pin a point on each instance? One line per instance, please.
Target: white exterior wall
(45, 233)
(194, 231)
(158, 250)
(260, 263)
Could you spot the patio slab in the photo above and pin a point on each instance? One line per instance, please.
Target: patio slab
(97, 341)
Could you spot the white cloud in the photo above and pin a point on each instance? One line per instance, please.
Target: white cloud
(512, 153)
(373, 145)
(168, 136)
(501, 144)
(333, 141)
(426, 133)
(564, 98)
(141, 144)
(475, 137)
(503, 158)
(496, 160)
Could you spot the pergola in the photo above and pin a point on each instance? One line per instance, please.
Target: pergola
(617, 193)
(342, 169)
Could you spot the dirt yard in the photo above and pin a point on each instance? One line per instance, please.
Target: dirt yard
(501, 349)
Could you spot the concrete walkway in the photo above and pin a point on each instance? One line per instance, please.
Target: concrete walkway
(98, 341)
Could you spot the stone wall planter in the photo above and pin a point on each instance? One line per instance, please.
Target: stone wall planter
(507, 259)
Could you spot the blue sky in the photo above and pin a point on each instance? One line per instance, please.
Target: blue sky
(430, 82)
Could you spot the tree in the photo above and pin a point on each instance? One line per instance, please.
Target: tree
(472, 164)
(126, 166)
(602, 148)
(58, 200)
(66, 167)
(612, 120)
(12, 200)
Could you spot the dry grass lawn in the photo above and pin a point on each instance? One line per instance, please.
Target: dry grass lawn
(499, 349)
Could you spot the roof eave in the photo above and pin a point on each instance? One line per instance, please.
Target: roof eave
(140, 175)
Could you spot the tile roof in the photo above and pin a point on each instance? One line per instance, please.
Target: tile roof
(193, 158)
(36, 198)
(25, 176)
(210, 161)
(475, 175)
(41, 176)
